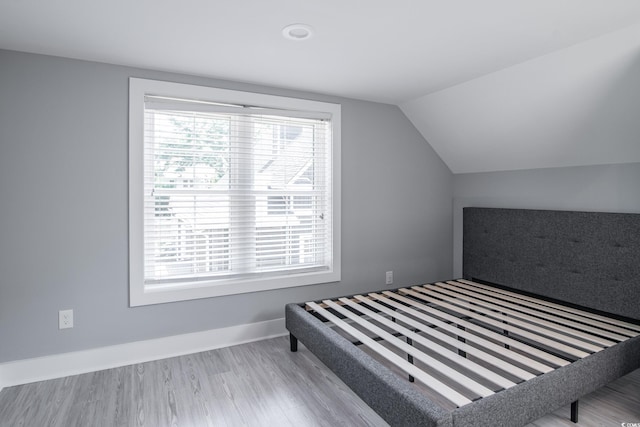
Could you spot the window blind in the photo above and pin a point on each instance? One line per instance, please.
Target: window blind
(234, 192)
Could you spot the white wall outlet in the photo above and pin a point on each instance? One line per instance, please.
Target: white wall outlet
(389, 278)
(65, 319)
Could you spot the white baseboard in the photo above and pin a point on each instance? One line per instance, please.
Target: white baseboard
(80, 362)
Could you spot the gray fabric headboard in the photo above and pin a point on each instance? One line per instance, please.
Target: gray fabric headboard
(586, 258)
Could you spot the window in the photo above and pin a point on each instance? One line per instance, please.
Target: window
(230, 192)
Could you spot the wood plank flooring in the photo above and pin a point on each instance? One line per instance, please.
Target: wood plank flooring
(255, 384)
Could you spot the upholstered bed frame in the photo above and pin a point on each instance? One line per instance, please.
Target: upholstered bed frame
(588, 261)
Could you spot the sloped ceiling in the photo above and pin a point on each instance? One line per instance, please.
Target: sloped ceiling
(492, 84)
(575, 106)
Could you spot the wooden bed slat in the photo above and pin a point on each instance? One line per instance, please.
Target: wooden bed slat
(496, 304)
(422, 294)
(444, 369)
(458, 345)
(499, 314)
(504, 340)
(433, 346)
(453, 396)
(538, 310)
(563, 308)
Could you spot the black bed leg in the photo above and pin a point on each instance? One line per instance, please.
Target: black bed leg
(574, 411)
(461, 352)
(505, 332)
(293, 341)
(410, 359)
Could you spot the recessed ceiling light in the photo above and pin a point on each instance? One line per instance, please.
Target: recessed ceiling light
(297, 32)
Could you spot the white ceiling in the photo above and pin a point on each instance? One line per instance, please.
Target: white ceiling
(431, 57)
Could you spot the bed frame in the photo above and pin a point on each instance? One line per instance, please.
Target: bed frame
(474, 352)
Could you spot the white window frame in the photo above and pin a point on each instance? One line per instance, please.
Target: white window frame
(139, 294)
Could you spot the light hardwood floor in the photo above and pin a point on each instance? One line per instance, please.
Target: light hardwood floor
(255, 384)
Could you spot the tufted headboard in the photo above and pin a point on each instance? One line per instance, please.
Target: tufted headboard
(590, 259)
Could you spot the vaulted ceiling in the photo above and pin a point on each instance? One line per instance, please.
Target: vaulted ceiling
(491, 85)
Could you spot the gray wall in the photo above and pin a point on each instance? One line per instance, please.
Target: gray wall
(604, 188)
(63, 204)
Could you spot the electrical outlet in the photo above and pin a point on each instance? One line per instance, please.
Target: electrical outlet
(65, 319)
(389, 278)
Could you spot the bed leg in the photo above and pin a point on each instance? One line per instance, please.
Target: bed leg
(505, 332)
(410, 359)
(293, 341)
(574, 411)
(460, 352)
